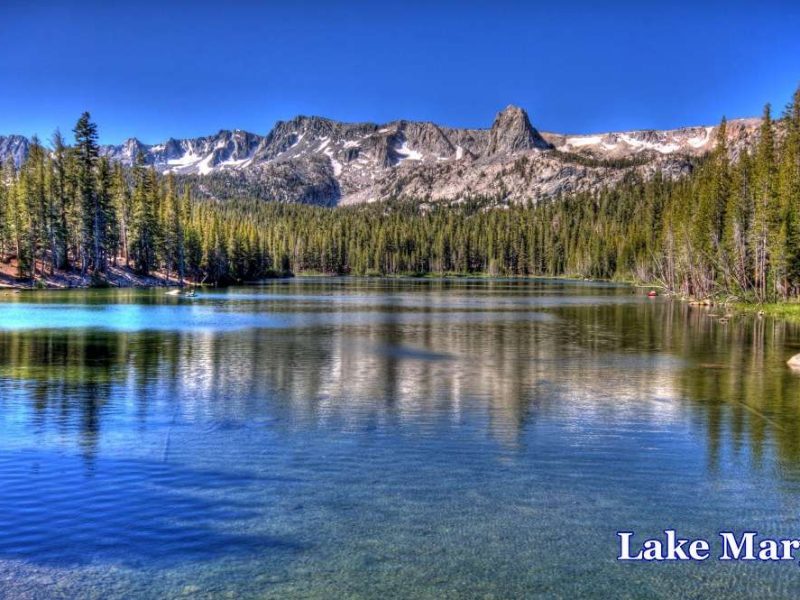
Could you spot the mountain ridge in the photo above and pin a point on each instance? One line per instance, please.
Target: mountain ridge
(322, 161)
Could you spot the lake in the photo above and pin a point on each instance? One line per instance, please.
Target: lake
(330, 438)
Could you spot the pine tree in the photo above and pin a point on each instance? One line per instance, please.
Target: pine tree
(4, 213)
(764, 206)
(789, 198)
(143, 238)
(173, 231)
(92, 215)
(736, 241)
(106, 227)
(31, 206)
(58, 204)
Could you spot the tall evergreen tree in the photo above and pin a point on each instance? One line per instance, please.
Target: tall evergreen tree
(92, 240)
(764, 205)
(789, 198)
(58, 204)
(143, 230)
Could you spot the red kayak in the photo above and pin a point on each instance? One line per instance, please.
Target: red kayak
(652, 294)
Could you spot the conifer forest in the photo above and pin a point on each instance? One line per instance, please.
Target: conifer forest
(731, 228)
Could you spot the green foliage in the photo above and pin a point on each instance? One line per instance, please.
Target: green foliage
(732, 227)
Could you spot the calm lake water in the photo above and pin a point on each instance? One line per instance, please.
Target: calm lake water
(379, 439)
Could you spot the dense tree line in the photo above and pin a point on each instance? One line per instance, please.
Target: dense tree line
(732, 227)
(68, 208)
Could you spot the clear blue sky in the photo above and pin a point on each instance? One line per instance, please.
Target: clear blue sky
(160, 69)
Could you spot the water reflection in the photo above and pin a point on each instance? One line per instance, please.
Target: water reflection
(431, 437)
(661, 362)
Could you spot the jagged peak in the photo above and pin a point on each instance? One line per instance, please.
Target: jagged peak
(513, 109)
(512, 132)
(305, 121)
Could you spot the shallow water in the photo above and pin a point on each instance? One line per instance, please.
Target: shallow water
(374, 439)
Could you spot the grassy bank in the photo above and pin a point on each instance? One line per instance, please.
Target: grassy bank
(782, 310)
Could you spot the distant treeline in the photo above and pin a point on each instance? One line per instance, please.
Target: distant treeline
(731, 227)
(608, 163)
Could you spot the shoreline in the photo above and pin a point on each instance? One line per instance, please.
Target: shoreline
(789, 311)
(127, 278)
(116, 277)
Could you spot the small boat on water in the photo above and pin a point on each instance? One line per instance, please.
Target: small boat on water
(182, 293)
(652, 294)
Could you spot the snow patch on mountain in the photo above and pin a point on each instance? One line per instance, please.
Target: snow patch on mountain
(584, 141)
(406, 153)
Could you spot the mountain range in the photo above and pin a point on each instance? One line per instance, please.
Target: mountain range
(321, 161)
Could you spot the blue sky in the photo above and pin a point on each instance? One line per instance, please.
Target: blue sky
(170, 69)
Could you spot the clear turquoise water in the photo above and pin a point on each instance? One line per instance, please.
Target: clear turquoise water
(380, 439)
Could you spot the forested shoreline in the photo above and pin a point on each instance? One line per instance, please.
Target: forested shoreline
(731, 228)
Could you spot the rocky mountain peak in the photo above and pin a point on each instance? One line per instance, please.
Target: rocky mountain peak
(14, 147)
(129, 150)
(512, 132)
(321, 161)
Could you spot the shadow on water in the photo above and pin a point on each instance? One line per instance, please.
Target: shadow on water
(124, 511)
